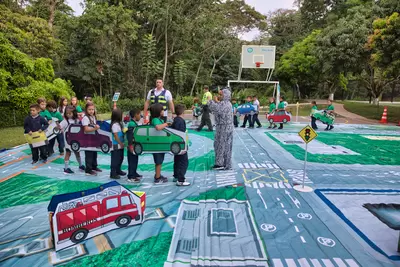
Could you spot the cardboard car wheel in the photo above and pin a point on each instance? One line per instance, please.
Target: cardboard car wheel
(271, 120)
(79, 235)
(56, 130)
(138, 149)
(105, 148)
(284, 120)
(75, 146)
(123, 221)
(175, 148)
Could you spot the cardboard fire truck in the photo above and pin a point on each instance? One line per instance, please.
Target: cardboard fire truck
(75, 217)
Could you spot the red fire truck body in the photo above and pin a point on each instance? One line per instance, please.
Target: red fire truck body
(79, 218)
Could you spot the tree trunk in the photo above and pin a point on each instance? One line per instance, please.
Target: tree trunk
(145, 85)
(393, 89)
(166, 48)
(197, 75)
(52, 10)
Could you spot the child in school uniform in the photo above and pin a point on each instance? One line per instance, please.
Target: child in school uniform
(181, 162)
(330, 110)
(117, 154)
(195, 109)
(52, 108)
(248, 117)
(133, 159)
(43, 111)
(234, 110)
(272, 108)
(63, 104)
(90, 126)
(282, 107)
(70, 117)
(314, 109)
(74, 103)
(36, 123)
(156, 113)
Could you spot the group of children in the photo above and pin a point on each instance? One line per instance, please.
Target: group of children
(330, 110)
(42, 114)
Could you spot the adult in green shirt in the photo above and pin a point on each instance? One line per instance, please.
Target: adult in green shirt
(205, 117)
(314, 108)
(330, 110)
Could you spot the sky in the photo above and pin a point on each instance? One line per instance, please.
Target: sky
(262, 6)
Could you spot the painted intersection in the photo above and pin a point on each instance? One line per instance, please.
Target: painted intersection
(247, 216)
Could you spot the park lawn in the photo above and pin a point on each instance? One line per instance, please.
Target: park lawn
(373, 112)
(11, 136)
(14, 136)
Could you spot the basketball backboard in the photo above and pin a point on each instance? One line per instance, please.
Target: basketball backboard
(258, 56)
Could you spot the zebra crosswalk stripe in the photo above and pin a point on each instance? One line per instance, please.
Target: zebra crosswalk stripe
(241, 165)
(265, 166)
(255, 185)
(246, 166)
(304, 262)
(250, 165)
(253, 166)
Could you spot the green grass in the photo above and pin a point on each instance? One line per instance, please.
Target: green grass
(373, 112)
(11, 136)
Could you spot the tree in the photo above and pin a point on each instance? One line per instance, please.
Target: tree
(300, 66)
(180, 72)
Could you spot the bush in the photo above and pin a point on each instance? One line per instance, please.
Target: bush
(11, 116)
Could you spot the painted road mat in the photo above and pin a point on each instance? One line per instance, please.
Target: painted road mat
(247, 216)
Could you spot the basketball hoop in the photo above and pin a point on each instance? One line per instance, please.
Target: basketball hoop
(258, 64)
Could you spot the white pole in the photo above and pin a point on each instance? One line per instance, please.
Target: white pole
(297, 111)
(305, 165)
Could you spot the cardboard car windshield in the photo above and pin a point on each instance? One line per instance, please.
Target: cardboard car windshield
(149, 140)
(76, 139)
(75, 217)
(52, 130)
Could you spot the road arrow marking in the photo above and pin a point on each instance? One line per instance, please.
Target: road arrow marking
(262, 199)
(294, 200)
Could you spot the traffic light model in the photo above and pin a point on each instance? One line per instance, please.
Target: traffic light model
(307, 135)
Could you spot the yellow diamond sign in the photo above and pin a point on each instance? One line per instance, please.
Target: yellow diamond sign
(308, 134)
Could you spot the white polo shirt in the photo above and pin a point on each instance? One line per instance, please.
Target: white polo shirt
(168, 97)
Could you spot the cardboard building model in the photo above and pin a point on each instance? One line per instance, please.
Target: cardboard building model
(75, 217)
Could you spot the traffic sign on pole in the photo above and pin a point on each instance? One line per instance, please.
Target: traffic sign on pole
(307, 134)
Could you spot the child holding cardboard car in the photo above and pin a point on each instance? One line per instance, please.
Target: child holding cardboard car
(133, 159)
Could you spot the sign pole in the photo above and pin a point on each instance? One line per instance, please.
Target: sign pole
(307, 134)
(297, 111)
(305, 164)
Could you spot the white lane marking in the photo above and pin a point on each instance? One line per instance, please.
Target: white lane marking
(351, 263)
(303, 262)
(269, 166)
(315, 263)
(265, 166)
(278, 199)
(166, 193)
(26, 218)
(291, 220)
(297, 229)
(288, 185)
(275, 185)
(252, 165)
(259, 165)
(240, 165)
(261, 185)
(302, 239)
(328, 263)
(275, 166)
(283, 206)
(285, 211)
(255, 185)
(246, 166)
(277, 263)
(339, 262)
(281, 185)
(290, 263)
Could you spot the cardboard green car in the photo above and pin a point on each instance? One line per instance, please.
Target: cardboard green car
(324, 117)
(149, 140)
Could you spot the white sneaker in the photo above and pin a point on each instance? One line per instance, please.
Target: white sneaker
(182, 183)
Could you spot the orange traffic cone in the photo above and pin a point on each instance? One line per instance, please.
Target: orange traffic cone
(398, 124)
(384, 116)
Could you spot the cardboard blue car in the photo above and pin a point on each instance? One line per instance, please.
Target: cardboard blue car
(247, 109)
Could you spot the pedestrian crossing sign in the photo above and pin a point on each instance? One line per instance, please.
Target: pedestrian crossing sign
(308, 134)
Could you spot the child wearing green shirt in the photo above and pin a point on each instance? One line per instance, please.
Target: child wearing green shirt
(314, 109)
(234, 110)
(330, 110)
(272, 108)
(157, 112)
(43, 111)
(52, 109)
(281, 106)
(133, 159)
